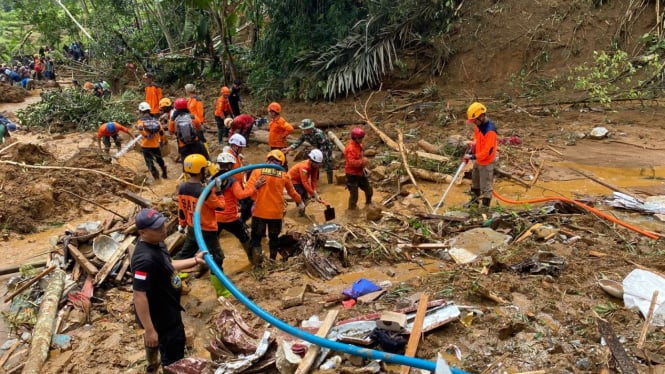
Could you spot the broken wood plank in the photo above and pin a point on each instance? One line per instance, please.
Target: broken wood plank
(30, 282)
(313, 351)
(174, 241)
(647, 321)
(125, 265)
(108, 266)
(43, 331)
(618, 351)
(333, 137)
(82, 260)
(528, 232)
(136, 199)
(294, 296)
(9, 352)
(416, 331)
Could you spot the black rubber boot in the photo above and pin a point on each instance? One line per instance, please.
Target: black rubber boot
(331, 180)
(248, 250)
(164, 175)
(486, 202)
(475, 193)
(155, 174)
(257, 256)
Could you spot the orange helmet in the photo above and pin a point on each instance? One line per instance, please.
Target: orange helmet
(225, 91)
(275, 107)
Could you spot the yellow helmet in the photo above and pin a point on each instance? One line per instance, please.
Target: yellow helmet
(165, 102)
(194, 164)
(277, 155)
(475, 110)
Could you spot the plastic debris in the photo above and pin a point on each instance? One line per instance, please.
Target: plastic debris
(638, 287)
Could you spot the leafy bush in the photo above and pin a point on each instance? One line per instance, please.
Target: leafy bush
(73, 109)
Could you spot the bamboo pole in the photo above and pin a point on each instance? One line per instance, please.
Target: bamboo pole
(43, 331)
(400, 138)
(333, 137)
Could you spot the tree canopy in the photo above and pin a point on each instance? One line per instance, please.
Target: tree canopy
(295, 48)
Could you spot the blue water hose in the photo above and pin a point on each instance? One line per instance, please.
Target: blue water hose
(369, 354)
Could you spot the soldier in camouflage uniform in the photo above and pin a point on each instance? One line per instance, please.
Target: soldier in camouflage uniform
(317, 139)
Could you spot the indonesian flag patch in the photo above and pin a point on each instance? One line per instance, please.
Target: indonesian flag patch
(141, 275)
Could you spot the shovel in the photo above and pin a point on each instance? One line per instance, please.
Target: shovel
(443, 198)
(329, 212)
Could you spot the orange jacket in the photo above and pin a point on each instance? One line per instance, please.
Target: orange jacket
(153, 94)
(279, 130)
(354, 159)
(269, 199)
(148, 139)
(222, 107)
(486, 144)
(195, 107)
(238, 176)
(303, 173)
(102, 132)
(188, 195)
(231, 195)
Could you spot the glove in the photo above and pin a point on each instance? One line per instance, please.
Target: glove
(181, 229)
(301, 208)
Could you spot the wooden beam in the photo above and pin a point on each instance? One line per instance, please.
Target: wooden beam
(82, 260)
(136, 199)
(416, 331)
(16, 268)
(108, 266)
(313, 351)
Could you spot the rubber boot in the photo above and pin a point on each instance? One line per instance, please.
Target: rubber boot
(475, 192)
(248, 250)
(164, 175)
(353, 199)
(152, 356)
(330, 177)
(257, 256)
(219, 287)
(155, 174)
(486, 202)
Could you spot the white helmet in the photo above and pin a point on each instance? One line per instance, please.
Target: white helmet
(144, 106)
(237, 139)
(228, 122)
(226, 158)
(190, 88)
(316, 156)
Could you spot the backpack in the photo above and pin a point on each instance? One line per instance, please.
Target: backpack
(184, 129)
(151, 125)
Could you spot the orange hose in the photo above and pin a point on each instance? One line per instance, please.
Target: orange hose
(583, 206)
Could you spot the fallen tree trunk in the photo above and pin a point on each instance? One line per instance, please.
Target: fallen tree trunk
(16, 268)
(431, 176)
(333, 137)
(43, 331)
(427, 146)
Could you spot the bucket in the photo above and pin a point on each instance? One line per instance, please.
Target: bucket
(103, 247)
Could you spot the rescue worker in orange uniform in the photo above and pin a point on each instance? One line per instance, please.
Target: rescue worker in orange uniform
(305, 175)
(231, 191)
(278, 128)
(236, 144)
(151, 142)
(222, 110)
(195, 166)
(269, 206)
(241, 124)
(187, 143)
(153, 93)
(354, 167)
(195, 107)
(483, 153)
(110, 130)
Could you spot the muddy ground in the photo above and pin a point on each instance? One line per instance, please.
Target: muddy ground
(535, 321)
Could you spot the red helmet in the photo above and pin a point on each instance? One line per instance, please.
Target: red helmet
(357, 132)
(180, 103)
